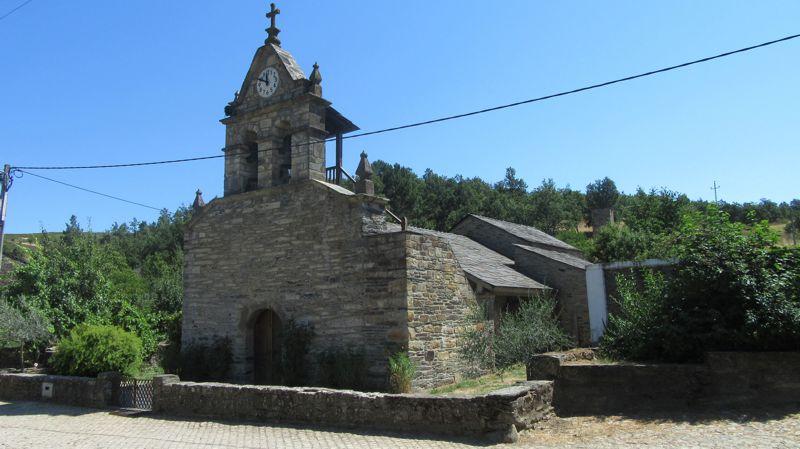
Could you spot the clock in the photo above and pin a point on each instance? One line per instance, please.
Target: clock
(267, 82)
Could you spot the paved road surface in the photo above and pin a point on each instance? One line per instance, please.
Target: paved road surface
(38, 425)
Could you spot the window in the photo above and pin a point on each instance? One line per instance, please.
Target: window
(285, 161)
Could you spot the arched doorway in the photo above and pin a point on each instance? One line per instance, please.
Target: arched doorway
(266, 346)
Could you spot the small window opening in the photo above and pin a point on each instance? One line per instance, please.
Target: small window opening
(252, 166)
(285, 160)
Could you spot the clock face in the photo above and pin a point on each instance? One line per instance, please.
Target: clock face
(267, 82)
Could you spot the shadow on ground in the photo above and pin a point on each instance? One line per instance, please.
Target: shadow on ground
(739, 414)
(18, 408)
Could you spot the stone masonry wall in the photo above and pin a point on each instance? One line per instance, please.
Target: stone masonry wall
(79, 391)
(291, 111)
(299, 250)
(497, 415)
(724, 380)
(569, 284)
(439, 297)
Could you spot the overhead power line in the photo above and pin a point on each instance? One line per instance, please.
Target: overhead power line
(15, 9)
(447, 118)
(88, 190)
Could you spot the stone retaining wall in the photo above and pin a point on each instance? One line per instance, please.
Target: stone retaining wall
(497, 415)
(725, 379)
(78, 391)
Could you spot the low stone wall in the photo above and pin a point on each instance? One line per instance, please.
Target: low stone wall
(79, 391)
(740, 378)
(725, 379)
(497, 415)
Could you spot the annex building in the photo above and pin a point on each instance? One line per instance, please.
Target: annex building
(289, 244)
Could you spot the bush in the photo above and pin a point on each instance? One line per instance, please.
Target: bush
(642, 313)
(616, 242)
(578, 240)
(531, 330)
(476, 342)
(295, 341)
(732, 290)
(343, 368)
(401, 372)
(92, 349)
(206, 362)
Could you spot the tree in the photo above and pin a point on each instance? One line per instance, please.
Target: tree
(618, 242)
(793, 226)
(20, 326)
(601, 194)
(654, 212)
(512, 184)
(401, 186)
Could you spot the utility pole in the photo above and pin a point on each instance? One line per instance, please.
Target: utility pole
(5, 184)
(715, 188)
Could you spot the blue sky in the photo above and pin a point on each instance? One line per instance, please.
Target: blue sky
(87, 82)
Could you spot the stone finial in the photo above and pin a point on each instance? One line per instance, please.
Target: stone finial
(364, 170)
(315, 81)
(198, 200)
(315, 77)
(230, 109)
(364, 173)
(272, 31)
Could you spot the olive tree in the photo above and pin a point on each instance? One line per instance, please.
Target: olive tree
(20, 326)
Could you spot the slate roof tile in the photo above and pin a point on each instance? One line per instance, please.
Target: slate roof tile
(558, 256)
(482, 263)
(528, 233)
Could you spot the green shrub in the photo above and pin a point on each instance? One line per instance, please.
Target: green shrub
(630, 333)
(531, 330)
(616, 242)
(92, 349)
(401, 372)
(476, 342)
(732, 290)
(295, 341)
(206, 362)
(578, 240)
(343, 368)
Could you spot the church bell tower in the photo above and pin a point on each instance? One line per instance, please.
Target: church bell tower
(278, 122)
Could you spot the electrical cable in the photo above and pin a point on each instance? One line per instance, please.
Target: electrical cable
(442, 119)
(87, 190)
(15, 9)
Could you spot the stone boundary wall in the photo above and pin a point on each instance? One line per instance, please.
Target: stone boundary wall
(78, 391)
(725, 379)
(496, 416)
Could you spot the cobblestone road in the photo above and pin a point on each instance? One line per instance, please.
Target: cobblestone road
(37, 425)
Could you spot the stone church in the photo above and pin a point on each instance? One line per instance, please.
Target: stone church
(288, 243)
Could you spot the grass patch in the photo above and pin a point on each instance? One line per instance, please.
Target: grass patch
(786, 239)
(483, 384)
(149, 371)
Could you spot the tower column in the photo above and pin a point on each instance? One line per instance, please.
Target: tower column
(308, 154)
(236, 169)
(267, 161)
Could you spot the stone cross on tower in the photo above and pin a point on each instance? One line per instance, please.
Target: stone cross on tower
(272, 31)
